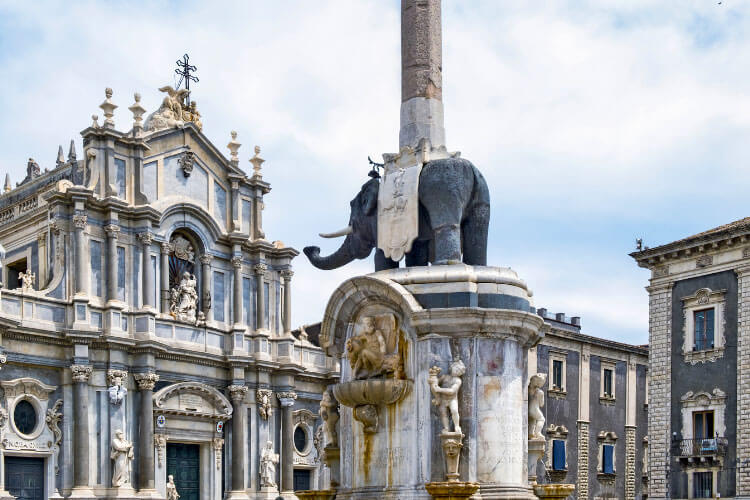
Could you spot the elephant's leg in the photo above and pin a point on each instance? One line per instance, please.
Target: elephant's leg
(382, 262)
(474, 231)
(419, 255)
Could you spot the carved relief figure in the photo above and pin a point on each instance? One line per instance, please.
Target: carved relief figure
(263, 400)
(329, 412)
(372, 350)
(117, 391)
(445, 393)
(184, 299)
(536, 402)
(122, 454)
(171, 489)
(27, 280)
(268, 461)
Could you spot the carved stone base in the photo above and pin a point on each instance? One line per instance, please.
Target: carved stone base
(451, 490)
(237, 495)
(506, 492)
(536, 451)
(123, 492)
(316, 494)
(331, 456)
(151, 494)
(452, 444)
(554, 491)
(268, 493)
(368, 416)
(83, 493)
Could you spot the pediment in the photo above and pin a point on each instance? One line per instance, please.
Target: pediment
(192, 399)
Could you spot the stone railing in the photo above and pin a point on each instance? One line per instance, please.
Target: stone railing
(711, 447)
(20, 208)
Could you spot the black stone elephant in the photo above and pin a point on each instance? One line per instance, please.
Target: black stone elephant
(454, 215)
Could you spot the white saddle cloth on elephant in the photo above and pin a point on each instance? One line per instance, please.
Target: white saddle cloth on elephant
(398, 208)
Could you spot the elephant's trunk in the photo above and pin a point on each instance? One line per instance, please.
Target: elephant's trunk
(339, 258)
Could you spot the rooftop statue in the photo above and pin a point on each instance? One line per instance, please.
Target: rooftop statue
(173, 112)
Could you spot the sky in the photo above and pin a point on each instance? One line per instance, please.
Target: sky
(594, 122)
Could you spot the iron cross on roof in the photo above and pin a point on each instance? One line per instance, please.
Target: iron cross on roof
(184, 68)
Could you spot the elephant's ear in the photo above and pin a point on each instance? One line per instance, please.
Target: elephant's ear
(370, 197)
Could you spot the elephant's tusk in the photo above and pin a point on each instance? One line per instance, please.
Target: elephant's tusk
(336, 234)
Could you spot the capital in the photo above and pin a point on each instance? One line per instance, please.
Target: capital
(260, 268)
(237, 262)
(146, 238)
(166, 247)
(113, 376)
(287, 274)
(41, 238)
(206, 259)
(79, 221)
(146, 381)
(237, 392)
(81, 373)
(112, 230)
(287, 398)
(54, 226)
(3, 359)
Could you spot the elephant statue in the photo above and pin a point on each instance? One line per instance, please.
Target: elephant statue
(454, 215)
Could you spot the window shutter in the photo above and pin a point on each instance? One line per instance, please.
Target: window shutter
(558, 455)
(607, 455)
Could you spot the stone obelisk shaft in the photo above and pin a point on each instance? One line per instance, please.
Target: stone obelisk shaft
(421, 73)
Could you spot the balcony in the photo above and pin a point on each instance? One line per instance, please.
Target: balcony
(700, 450)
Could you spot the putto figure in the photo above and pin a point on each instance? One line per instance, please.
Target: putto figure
(122, 454)
(268, 461)
(184, 299)
(329, 412)
(27, 280)
(536, 402)
(445, 392)
(373, 350)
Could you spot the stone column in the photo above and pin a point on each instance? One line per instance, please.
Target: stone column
(582, 479)
(112, 230)
(260, 305)
(237, 265)
(660, 388)
(42, 274)
(286, 399)
(166, 249)
(147, 271)
(146, 382)
(237, 394)
(287, 274)
(79, 221)
(258, 215)
(743, 378)
(206, 285)
(421, 73)
(81, 375)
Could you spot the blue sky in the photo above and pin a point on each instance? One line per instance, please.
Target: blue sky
(594, 122)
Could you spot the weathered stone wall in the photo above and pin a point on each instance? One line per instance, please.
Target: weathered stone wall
(743, 378)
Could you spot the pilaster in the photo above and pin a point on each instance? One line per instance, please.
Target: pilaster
(743, 378)
(260, 306)
(286, 275)
(584, 392)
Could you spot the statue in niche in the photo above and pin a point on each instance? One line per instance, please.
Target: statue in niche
(117, 391)
(329, 412)
(184, 299)
(268, 461)
(536, 402)
(122, 454)
(373, 349)
(171, 489)
(27, 280)
(445, 393)
(183, 249)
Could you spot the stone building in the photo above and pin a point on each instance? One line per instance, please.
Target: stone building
(699, 417)
(596, 410)
(145, 322)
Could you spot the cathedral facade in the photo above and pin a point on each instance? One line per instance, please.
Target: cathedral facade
(146, 342)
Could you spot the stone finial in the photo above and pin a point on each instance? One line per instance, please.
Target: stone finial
(109, 109)
(7, 187)
(95, 121)
(72, 151)
(233, 147)
(138, 112)
(257, 161)
(60, 156)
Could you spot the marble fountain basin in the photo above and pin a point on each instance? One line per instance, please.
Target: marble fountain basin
(376, 391)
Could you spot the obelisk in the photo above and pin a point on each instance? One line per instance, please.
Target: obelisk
(421, 74)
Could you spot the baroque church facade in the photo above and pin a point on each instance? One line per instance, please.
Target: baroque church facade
(145, 323)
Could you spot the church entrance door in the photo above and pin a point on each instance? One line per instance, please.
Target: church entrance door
(24, 477)
(183, 464)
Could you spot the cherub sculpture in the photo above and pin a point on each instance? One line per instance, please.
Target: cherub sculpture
(536, 401)
(366, 350)
(445, 393)
(329, 412)
(27, 280)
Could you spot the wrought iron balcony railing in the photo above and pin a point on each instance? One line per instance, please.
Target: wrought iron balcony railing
(707, 447)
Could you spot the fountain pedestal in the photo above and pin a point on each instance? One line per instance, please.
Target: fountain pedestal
(536, 452)
(389, 430)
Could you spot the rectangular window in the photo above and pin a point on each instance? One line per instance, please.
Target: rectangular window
(247, 295)
(703, 484)
(149, 181)
(218, 299)
(136, 288)
(246, 216)
(557, 374)
(704, 329)
(558, 454)
(608, 463)
(121, 274)
(607, 374)
(120, 178)
(155, 274)
(703, 425)
(95, 248)
(266, 306)
(220, 205)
